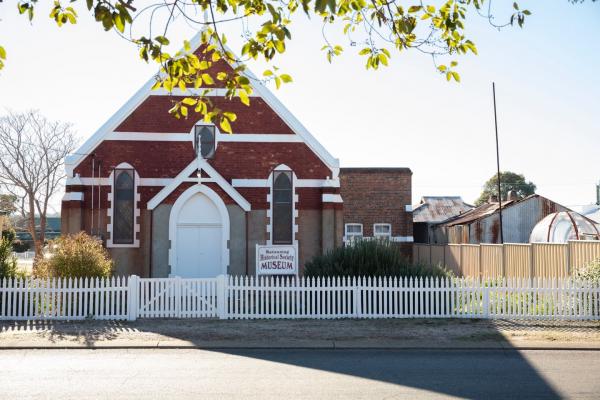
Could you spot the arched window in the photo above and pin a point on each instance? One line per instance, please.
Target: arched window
(123, 223)
(283, 207)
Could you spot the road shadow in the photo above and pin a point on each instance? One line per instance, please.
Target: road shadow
(465, 373)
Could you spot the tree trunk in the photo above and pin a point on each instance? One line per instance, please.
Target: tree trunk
(36, 243)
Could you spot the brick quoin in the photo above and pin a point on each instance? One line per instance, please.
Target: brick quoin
(377, 195)
(256, 118)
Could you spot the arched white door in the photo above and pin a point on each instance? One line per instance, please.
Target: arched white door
(199, 231)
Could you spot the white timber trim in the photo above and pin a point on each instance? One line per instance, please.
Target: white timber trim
(408, 208)
(260, 90)
(73, 196)
(220, 137)
(184, 176)
(148, 136)
(332, 198)
(382, 235)
(108, 182)
(404, 239)
(136, 209)
(317, 183)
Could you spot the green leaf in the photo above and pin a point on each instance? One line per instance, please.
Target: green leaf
(285, 78)
(2, 53)
(188, 101)
(119, 23)
(208, 79)
(230, 116)
(162, 40)
(244, 97)
(456, 76)
(515, 6)
(331, 4)
(225, 125)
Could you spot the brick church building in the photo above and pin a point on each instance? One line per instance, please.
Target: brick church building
(177, 197)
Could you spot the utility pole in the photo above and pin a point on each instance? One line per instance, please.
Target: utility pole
(498, 164)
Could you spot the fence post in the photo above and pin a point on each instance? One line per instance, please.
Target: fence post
(486, 299)
(178, 299)
(356, 297)
(221, 296)
(132, 297)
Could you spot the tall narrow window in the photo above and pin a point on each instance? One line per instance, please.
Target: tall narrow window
(124, 207)
(204, 141)
(283, 207)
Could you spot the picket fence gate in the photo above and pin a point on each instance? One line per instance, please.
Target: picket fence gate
(229, 297)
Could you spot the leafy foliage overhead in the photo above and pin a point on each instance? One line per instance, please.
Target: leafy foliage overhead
(508, 181)
(376, 28)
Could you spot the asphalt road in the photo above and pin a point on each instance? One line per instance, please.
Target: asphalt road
(291, 374)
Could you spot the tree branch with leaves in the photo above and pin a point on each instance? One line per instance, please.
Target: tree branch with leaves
(380, 29)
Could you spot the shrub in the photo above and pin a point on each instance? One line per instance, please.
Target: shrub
(8, 262)
(369, 258)
(590, 271)
(20, 246)
(9, 234)
(76, 256)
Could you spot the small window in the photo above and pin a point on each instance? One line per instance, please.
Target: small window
(204, 141)
(353, 231)
(283, 207)
(382, 230)
(124, 207)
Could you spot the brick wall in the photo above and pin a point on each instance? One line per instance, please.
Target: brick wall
(377, 195)
(256, 118)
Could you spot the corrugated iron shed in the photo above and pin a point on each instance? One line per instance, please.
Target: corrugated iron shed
(482, 224)
(435, 209)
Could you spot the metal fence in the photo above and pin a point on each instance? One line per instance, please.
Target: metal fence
(542, 260)
(229, 297)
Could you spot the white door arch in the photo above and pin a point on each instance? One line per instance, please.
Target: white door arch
(199, 232)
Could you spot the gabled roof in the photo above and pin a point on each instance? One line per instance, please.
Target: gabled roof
(432, 209)
(136, 100)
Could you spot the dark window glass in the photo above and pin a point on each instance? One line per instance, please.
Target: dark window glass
(205, 137)
(124, 205)
(283, 198)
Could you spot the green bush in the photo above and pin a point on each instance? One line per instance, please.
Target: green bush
(369, 258)
(590, 271)
(9, 234)
(8, 262)
(20, 246)
(76, 256)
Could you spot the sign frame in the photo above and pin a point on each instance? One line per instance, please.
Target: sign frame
(262, 250)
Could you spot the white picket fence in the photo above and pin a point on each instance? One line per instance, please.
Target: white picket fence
(228, 297)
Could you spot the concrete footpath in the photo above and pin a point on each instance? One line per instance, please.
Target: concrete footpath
(317, 334)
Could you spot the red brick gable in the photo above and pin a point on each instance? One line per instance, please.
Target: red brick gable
(152, 116)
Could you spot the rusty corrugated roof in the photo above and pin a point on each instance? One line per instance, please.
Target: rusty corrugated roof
(486, 209)
(435, 209)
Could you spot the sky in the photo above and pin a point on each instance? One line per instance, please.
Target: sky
(406, 115)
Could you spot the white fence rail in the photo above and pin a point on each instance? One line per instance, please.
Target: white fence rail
(229, 297)
(68, 299)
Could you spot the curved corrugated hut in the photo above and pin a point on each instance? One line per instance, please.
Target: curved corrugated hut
(560, 227)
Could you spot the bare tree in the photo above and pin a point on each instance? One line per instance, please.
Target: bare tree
(32, 152)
